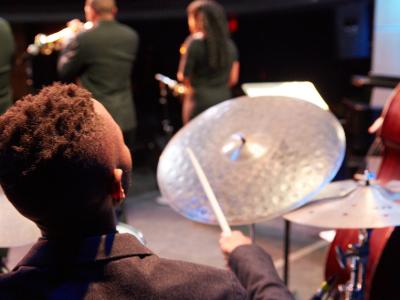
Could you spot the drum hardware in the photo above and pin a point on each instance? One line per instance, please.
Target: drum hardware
(332, 190)
(325, 290)
(220, 215)
(262, 155)
(164, 83)
(366, 207)
(252, 231)
(286, 252)
(3, 266)
(370, 205)
(357, 256)
(337, 189)
(383, 260)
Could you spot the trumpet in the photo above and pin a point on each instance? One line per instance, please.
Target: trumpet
(46, 44)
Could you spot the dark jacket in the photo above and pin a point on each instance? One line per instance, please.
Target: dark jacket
(102, 59)
(255, 270)
(117, 266)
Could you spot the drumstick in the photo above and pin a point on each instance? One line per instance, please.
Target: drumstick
(223, 223)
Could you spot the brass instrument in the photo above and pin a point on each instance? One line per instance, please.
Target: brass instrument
(46, 44)
(177, 88)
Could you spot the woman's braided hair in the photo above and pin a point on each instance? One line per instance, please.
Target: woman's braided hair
(215, 28)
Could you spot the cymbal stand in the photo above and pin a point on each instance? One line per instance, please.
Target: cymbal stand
(286, 248)
(3, 266)
(357, 255)
(252, 230)
(286, 252)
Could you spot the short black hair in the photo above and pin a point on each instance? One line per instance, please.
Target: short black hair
(52, 150)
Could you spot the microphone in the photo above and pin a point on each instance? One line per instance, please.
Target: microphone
(177, 88)
(166, 80)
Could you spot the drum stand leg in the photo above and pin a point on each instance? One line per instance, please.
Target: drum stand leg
(286, 250)
(3, 257)
(252, 230)
(3, 267)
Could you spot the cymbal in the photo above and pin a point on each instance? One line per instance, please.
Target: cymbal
(263, 156)
(336, 189)
(367, 206)
(15, 229)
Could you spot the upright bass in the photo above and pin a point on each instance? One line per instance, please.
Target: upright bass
(384, 259)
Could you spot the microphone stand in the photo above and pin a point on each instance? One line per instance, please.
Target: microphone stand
(178, 89)
(165, 118)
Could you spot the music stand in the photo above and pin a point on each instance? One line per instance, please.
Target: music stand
(303, 90)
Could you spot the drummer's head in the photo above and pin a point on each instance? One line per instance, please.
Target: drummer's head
(63, 161)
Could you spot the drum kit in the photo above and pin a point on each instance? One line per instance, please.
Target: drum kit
(264, 157)
(248, 160)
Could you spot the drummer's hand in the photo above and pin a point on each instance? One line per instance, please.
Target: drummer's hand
(229, 242)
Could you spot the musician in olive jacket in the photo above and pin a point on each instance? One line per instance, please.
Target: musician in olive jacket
(64, 165)
(6, 57)
(101, 60)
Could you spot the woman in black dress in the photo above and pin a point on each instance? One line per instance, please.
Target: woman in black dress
(209, 64)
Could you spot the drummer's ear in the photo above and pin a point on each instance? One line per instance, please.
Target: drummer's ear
(117, 191)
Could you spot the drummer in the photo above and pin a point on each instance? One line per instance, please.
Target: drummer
(64, 165)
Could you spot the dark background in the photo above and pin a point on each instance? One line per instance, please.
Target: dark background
(322, 41)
